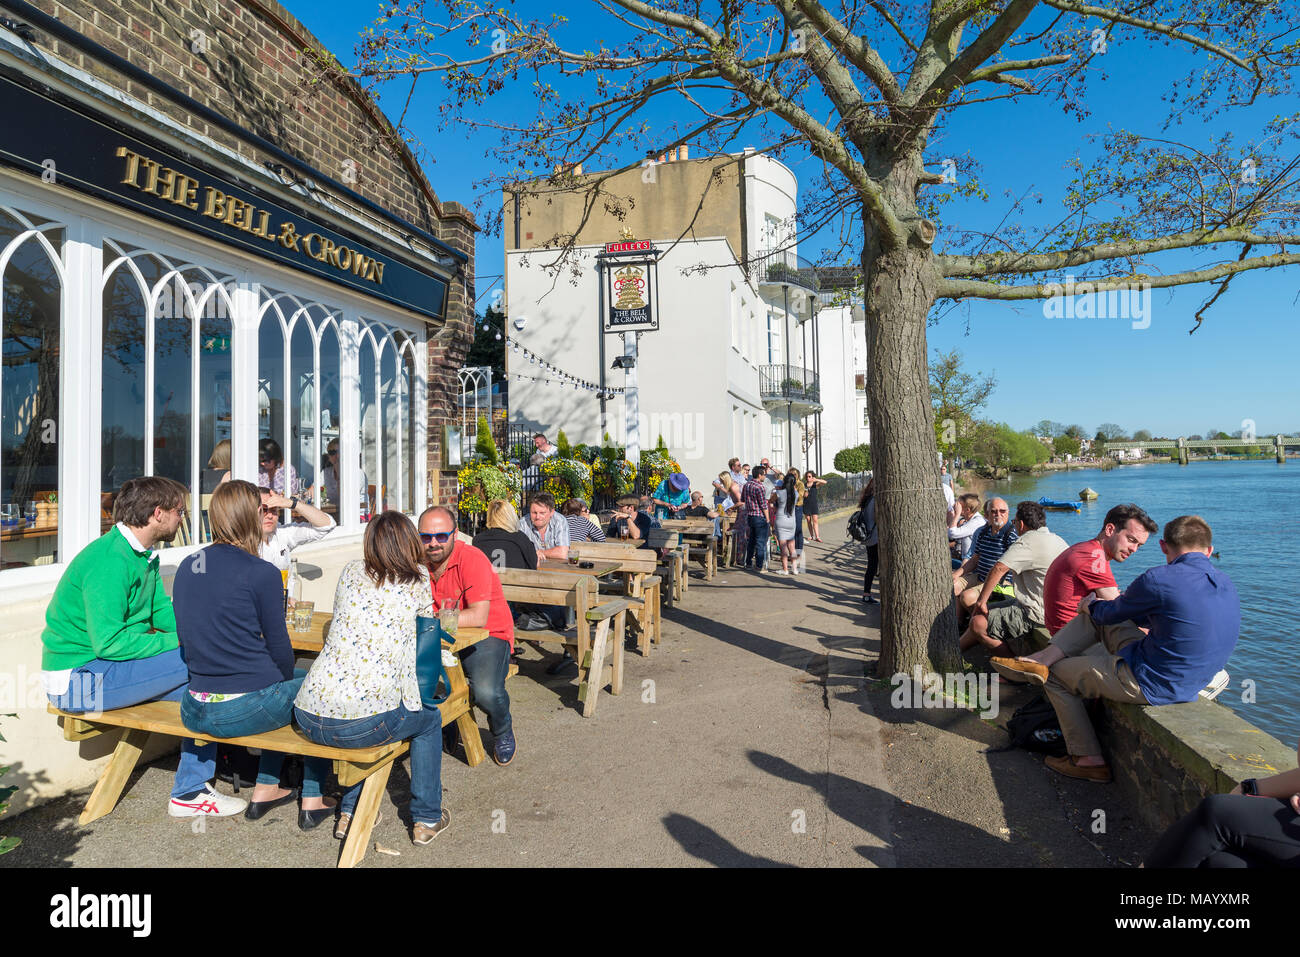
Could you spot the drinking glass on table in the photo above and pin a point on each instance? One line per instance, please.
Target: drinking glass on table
(449, 616)
(29, 512)
(302, 615)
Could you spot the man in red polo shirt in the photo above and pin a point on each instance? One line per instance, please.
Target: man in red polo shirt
(464, 575)
(1084, 568)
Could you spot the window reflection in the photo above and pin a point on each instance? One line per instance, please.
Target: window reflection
(369, 424)
(29, 398)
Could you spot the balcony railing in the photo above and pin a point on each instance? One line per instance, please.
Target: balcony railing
(784, 266)
(792, 383)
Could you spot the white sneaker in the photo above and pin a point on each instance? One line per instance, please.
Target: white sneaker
(782, 571)
(208, 803)
(1215, 687)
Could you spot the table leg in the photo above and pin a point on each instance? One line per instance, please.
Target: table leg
(620, 638)
(110, 784)
(363, 818)
(470, 738)
(592, 670)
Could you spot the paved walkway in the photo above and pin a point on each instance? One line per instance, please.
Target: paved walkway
(750, 737)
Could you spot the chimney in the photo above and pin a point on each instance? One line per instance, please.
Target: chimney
(684, 152)
(672, 155)
(577, 170)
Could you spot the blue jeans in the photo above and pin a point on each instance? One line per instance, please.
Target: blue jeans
(486, 665)
(423, 727)
(759, 532)
(101, 685)
(257, 712)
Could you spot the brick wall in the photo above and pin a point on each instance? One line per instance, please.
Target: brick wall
(254, 71)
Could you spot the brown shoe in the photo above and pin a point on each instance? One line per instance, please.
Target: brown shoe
(1071, 769)
(423, 833)
(345, 820)
(1018, 670)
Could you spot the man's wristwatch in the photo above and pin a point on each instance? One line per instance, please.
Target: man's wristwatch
(1250, 786)
(293, 504)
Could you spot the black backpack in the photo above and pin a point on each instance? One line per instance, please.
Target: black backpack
(858, 526)
(1034, 727)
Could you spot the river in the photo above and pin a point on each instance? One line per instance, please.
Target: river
(1253, 507)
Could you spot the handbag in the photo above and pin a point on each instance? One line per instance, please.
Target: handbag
(429, 672)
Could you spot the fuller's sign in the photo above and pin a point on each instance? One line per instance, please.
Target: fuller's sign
(631, 286)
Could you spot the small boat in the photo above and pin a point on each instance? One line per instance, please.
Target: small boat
(1058, 506)
(1087, 495)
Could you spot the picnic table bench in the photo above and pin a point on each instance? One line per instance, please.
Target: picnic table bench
(580, 593)
(641, 586)
(698, 541)
(351, 765)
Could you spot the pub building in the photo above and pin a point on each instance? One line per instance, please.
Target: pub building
(207, 240)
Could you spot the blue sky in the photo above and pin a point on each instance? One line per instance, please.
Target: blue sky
(1241, 364)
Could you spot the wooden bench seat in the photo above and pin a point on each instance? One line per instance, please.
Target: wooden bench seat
(579, 592)
(351, 765)
(637, 566)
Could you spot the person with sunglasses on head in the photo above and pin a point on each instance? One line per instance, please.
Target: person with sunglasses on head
(273, 472)
(110, 633)
(362, 691)
(463, 576)
(242, 676)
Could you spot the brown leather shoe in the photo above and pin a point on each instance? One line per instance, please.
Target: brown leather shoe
(1018, 670)
(425, 833)
(345, 821)
(1067, 766)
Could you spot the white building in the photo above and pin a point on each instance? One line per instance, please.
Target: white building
(733, 368)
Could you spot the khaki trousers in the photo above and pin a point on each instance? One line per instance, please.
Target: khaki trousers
(1090, 669)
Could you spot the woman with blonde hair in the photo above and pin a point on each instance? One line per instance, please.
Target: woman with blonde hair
(230, 621)
(218, 468)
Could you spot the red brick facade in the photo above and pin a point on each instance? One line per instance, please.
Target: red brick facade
(251, 67)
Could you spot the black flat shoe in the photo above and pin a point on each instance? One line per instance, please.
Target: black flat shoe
(256, 809)
(307, 820)
(565, 665)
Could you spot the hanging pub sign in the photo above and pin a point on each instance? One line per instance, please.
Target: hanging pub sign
(631, 287)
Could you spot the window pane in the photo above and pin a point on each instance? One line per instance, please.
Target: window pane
(302, 451)
(172, 399)
(331, 466)
(369, 426)
(214, 399)
(123, 373)
(393, 477)
(270, 386)
(29, 403)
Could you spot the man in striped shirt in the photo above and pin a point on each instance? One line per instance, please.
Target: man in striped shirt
(990, 542)
(581, 527)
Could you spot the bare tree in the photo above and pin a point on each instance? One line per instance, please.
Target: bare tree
(864, 87)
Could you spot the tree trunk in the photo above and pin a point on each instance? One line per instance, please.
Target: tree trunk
(918, 617)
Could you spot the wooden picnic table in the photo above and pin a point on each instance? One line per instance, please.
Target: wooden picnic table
(598, 569)
(311, 642)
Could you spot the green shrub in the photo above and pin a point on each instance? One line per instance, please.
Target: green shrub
(565, 451)
(484, 445)
(856, 459)
(836, 487)
(481, 482)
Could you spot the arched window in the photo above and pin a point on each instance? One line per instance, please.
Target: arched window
(32, 273)
(166, 354)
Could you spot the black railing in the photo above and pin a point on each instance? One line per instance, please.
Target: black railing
(788, 382)
(782, 265)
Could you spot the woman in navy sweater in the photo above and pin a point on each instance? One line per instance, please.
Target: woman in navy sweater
(230, 621)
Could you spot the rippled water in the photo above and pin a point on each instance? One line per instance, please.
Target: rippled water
(1254, 510)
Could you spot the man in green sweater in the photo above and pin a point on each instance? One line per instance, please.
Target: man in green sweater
(110, 633)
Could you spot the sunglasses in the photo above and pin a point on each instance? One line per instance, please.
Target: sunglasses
(267, 509)
(439, 537)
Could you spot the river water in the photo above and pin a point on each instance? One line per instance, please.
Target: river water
(1254, 510)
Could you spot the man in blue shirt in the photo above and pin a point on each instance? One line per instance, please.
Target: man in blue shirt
(997, 535)
(1165, 637)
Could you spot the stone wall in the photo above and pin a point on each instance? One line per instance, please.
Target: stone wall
(1167, 759)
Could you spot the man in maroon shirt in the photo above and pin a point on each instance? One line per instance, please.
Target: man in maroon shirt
(1084, 569)
(464, 576)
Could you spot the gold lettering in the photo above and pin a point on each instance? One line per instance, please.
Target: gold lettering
(186, 192)
(132, 165)
(262, 227)
(235, 209)
(151, 168)
(166, 182)
(377, 273)
(288, 236)
(329, 252)
(360, 264)
(344, 258)
(215, 207)
(319, 255)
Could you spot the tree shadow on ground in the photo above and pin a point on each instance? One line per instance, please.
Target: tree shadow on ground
(703, 842)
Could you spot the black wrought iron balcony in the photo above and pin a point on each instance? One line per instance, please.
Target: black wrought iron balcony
(789, 383)
(781, 266)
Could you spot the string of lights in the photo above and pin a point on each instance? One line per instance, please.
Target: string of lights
(556, 375)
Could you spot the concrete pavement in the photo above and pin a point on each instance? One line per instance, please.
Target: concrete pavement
(752, 736)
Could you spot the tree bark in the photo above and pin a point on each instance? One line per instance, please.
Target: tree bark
(918, 617)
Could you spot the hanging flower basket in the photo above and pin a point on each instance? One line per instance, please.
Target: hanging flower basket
(566, 478)
(481, 482)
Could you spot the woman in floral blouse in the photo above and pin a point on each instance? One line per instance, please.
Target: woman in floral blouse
(362, 691)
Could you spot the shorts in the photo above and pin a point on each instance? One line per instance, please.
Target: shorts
(1009, 622)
